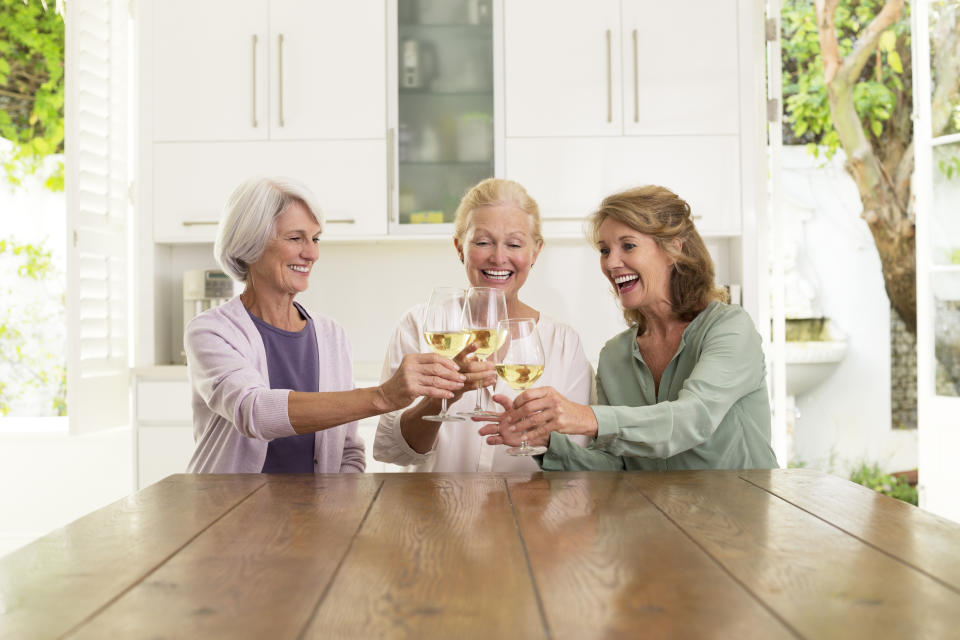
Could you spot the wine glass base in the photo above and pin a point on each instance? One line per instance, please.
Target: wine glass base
(478, 414)
(526, 451)
(449, 417)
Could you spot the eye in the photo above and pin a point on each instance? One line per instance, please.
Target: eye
(481, 243)
(604, 251)
(316, 240)
(627, 246)
(515, 246)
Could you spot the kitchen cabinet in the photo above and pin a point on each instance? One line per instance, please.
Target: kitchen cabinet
(614, 67)
(624, 93)
(442, 105)
(268, 69)
(264, 87)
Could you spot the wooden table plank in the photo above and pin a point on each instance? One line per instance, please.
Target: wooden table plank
(257, 573)
(917, 537)
(56, 582)
(822, 581)
(608, 564)
(439, 556)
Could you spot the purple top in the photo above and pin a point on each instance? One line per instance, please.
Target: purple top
(293, 362)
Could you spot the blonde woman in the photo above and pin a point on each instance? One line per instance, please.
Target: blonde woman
(497, 238)
(684, 387)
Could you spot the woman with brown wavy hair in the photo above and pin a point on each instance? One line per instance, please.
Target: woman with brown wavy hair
(684, 386)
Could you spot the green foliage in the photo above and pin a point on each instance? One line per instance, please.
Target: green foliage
(31, 331)
(950, 166)
(881, 89)
(872, 477)
(31, 88)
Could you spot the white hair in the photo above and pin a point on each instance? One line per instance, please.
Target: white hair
(249, 220)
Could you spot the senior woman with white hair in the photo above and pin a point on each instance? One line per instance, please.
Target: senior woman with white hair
(272, 384)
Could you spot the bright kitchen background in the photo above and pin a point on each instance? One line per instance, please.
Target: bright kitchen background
(367, 280)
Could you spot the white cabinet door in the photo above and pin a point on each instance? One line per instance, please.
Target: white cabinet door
(192, 182)
(330, 79)
(569, 177)
(562, 68)
(209, 74)
(680, 67)
(162, 451)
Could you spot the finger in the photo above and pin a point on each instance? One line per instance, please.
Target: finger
(495, 440)
(530, 395)
(445, 382)
(503, 401)
(467, 350)
(489, 429)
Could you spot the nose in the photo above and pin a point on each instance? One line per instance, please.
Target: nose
(311, 252)
(500, 255)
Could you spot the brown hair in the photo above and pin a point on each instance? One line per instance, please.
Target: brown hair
(495, 192)
(662, 215)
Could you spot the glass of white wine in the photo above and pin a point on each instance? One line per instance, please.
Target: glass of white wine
(444, 332)
(483, 309)
(520, 362)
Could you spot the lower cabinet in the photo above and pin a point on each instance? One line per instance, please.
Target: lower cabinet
(162, 451)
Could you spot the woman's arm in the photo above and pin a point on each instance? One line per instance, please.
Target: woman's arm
(419, 374)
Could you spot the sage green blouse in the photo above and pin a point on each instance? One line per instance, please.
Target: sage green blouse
(711, 412)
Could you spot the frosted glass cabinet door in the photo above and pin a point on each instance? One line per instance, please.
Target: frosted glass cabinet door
(562, 76)
(209, 77)
(328, 77)
(680, 67)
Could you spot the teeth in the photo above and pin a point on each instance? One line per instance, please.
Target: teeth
(501, 275)
(625, 278)
(297, 267)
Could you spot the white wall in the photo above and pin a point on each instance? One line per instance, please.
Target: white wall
(846, 419)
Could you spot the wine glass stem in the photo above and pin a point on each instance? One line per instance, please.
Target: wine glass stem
(443, 406)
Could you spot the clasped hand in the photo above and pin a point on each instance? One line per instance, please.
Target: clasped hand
(533, 415)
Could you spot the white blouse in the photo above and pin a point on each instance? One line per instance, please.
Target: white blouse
(458, 447)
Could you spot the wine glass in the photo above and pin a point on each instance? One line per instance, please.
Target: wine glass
(483, 309)
(444, 333)
(520, 362)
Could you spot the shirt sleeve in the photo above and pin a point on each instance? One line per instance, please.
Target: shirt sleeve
(563, 454)
(230, 384)
(730, 366)
(389, 444)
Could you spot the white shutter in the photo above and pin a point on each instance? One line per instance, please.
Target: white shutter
(97, 212)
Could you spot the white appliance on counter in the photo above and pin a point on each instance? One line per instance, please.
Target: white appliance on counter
(204, 289)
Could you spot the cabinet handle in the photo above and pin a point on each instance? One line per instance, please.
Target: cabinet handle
(253, 74)
(341, 221)
(636, 80)
(280, 76)
(609, 81)
(199, 223)
(390, 178)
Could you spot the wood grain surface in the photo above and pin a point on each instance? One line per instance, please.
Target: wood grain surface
(697, 554)
(813, 575)
(53, 584)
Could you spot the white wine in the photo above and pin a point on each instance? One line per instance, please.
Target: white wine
(446, 343)
(487, 340)
(519, 376)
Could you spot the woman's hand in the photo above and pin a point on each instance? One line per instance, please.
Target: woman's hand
(421, 374)
(535, 413)
(479, 373)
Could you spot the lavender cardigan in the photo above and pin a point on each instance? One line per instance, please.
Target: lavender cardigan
(236, 413)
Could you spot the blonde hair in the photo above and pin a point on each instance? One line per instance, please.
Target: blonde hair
(662, 215)
(250, 220)
(494, 192)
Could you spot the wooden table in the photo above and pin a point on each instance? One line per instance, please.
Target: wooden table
(711, 554)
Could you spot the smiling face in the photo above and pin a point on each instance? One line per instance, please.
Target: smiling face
(635, 265)
(284, 267)
(498, 248)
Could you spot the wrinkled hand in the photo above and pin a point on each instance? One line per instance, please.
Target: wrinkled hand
(421, 374)
(512, 437)
(535, 413)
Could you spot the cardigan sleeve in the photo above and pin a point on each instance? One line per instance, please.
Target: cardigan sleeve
(224, 371)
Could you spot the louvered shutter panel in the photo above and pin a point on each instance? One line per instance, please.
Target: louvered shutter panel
(97, 212)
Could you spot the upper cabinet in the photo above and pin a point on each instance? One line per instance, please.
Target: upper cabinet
(442, 107)
(259, 70)
(618, 93)
(611, 67)
(293, 88)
